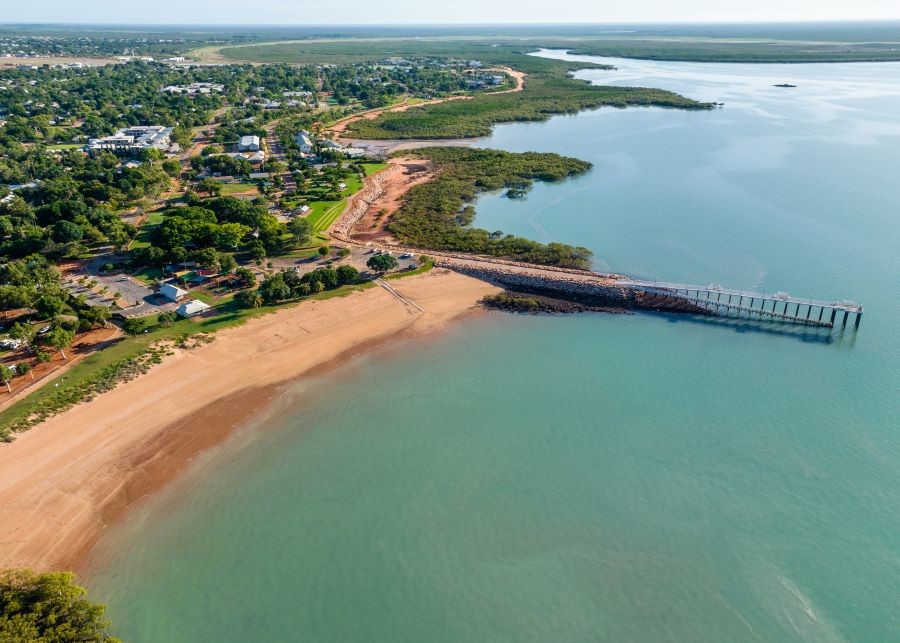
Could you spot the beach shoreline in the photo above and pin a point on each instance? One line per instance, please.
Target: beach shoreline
(65, 482)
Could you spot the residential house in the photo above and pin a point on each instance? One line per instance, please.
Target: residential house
(304, 142)
(248, 143)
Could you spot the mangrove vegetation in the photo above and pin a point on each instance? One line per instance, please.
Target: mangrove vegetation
(438, 214)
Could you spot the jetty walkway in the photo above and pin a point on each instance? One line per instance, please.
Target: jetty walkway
(612, 289)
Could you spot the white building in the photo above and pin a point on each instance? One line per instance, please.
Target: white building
(194, 88)
(304, 142)
(192, 308)
(248, 144)
(131, 140)
(172, 292)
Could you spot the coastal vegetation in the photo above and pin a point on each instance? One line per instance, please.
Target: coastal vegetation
(549, 89)
(437, 214)
(48, 608)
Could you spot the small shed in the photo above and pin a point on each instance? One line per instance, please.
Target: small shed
(192, 308)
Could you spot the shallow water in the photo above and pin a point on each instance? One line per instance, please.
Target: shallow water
(593, 477)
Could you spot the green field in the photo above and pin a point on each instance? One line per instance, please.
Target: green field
(371, 168)
(65, 146)
(142, 240)
(229, 189)
(325, 213)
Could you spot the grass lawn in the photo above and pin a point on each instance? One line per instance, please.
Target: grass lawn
(65, 146)
(142, 240)
(238, 188)
(148, 275)
(371, 168)
(324, 213)
(425, 267)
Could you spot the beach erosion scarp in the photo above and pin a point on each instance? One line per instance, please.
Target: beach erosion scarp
(64, 481)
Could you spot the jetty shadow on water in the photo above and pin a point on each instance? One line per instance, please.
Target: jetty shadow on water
(807, 334)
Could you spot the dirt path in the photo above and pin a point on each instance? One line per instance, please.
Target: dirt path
(382, 195)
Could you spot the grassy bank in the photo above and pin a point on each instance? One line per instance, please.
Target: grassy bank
(436, 215)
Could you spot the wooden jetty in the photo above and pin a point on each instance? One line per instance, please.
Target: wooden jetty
(755, 305)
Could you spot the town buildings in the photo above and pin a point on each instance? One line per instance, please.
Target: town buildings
(132, 140)
(248, 144)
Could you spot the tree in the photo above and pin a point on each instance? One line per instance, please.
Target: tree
(166, 319)
(172, 168)
(23, 368)
(347, 275)
(248, 299)
(324, 250)
(23, 332)
(301, 229)
(209, 186)
(67, 231)
(6, 375)
(60, 339)
(49, 306)
(48, 608)
(94, 316)
(274, 289)
(206, 258)
(134, 325)
(382, 262)
(246, 275)
(227, 264)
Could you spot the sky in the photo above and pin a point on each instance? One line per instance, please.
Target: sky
(319, 12)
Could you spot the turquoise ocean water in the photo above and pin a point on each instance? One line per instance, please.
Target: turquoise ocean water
(593, 477)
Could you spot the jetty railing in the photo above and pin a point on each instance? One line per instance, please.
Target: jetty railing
(723, 301)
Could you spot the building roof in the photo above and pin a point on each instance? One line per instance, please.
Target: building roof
(249, 139)
(191, 308)
(171, 291)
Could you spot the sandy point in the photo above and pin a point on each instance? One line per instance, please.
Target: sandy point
(64, 481)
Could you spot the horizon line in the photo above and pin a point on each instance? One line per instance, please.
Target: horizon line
(661, 22)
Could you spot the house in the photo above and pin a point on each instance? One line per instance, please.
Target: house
(248, 144)
(342, 186)
(255, 158)
(172, 292)
(353, 152)
(192, 308)
(304, 210)
(304, 142)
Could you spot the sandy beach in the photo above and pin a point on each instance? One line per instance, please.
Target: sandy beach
(64, 481)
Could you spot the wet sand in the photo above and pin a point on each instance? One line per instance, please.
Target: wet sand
(63, 482)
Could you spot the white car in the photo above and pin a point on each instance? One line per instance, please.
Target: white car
(10, 344)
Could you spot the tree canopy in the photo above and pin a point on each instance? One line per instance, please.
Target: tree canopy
(48, 608)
